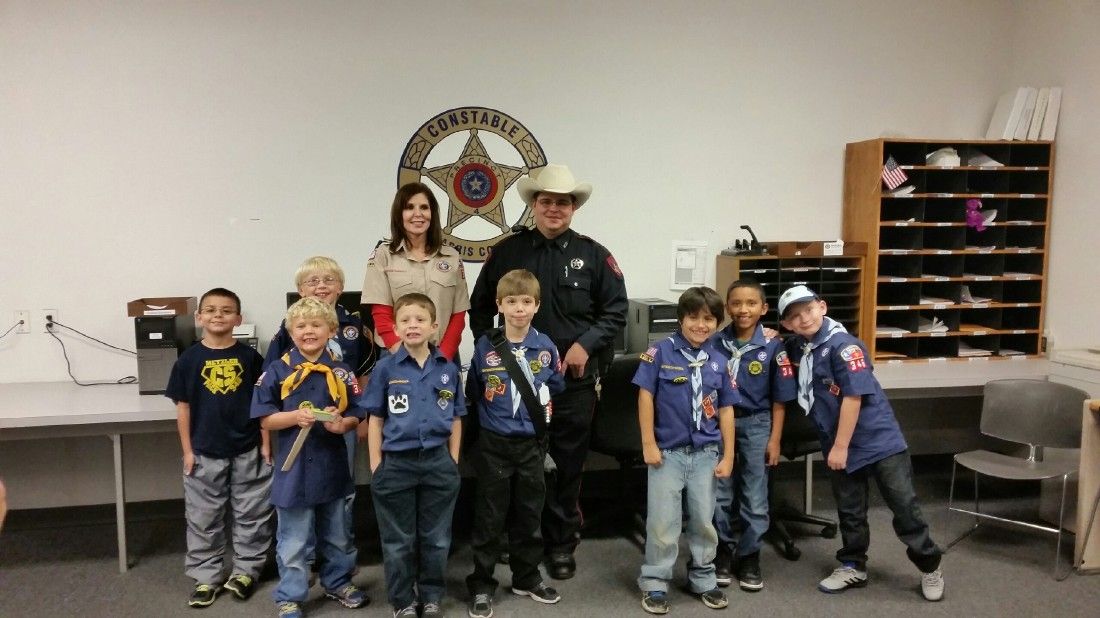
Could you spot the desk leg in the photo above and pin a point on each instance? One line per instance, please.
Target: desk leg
(120, 502)
(808, 498)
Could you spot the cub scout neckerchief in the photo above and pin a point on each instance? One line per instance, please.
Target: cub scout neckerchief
(806, 366)
(696, 362)
(336, 389)
(736, 353)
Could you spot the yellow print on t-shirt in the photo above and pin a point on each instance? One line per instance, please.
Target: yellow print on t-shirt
(222, 376)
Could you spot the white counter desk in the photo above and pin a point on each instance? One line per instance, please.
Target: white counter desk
(34, 411)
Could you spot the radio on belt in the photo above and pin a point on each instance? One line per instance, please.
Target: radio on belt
(163, 328)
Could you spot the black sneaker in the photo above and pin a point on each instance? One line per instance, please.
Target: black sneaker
(748, 573)
(481, 606)
(714, 599)
(655, 602)
(541, 593)
(722, 572)
(203, 595)
(240, 585)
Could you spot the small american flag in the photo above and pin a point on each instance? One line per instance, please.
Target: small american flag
(893, 175)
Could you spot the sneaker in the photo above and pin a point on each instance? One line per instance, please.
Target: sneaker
(289, 609)
(431, 609)
(722, 570)
(203, 595)
(931, 585)
(748, 573)
(843, 577)
(481, 606)
(655, 602)
(714, 599)
(405, 612)
(349, 595)
(541, 593)
(240, 585)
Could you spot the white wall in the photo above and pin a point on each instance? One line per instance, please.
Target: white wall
(1057, 45)
(139, 140)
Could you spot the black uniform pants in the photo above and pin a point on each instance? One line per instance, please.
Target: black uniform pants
(569, 434)
(509, 498)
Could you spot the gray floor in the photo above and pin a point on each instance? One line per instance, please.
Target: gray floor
(52, 566)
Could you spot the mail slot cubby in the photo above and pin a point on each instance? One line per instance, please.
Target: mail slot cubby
(1020, 318)
(901, 238)
(799, 275)
(1023, 291)
(993, 181)
(947, 290)
(895, 348)
(1029, 263)
(993, 290)
(1021, 237)
(899, 265)
(983, 265)
(1028, 344)
(984, 319)
(1025, 210)
(1025, 155)
(944, 181)
(953, 238)
(989, 238)
(935, 347)
(942, 266)
(899, 293)
(949, 317)
(1035, 183)
(946, 210)
(902, 209)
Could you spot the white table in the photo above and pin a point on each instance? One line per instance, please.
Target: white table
(46, 410)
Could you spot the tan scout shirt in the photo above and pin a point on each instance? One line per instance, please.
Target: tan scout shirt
(441, 277)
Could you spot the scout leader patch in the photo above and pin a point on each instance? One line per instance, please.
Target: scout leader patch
(784, 363)
(647, 356)
(443, 265)
(853, 355)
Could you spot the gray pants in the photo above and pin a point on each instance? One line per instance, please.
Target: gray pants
(242, 483)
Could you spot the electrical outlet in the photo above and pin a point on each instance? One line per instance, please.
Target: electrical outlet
(23, 316)
(42, 313)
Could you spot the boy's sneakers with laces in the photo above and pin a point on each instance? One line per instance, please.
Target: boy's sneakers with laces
(289, 609)
(843, 577)
(714, 599)
(655, 602)
(240, 585)
(748, 573)
(541, 593)
(931, 585)
(405, 612)
(203, 595)
(481, 606)
(349, 595)
(431, 609)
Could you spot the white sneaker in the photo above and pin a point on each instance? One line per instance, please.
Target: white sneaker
(931, 585)
(843, 577)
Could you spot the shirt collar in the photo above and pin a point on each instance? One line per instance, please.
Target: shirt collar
(680, 343)
(730, 333)
(296, 358)
(402, 354)
(562, 240)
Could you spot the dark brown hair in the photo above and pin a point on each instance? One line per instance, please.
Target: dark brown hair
(397, 227)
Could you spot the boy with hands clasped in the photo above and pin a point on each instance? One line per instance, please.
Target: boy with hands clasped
(685, 411)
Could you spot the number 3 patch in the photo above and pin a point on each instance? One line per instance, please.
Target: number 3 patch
(853, 355)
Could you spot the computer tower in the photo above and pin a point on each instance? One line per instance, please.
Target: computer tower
(649, 320)
(160, 340)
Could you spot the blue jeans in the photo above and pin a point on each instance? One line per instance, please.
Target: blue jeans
(690, 471)
(741, 501)
(296, 525)
(414, 497)
(349, 504)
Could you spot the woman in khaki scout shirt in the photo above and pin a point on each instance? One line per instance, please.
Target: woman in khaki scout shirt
(416, 260)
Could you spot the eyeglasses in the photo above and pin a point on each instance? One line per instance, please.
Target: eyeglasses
(561, 202)
(313, 282)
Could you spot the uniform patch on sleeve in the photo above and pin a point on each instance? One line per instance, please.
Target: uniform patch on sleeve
(614, 266)
(784, 363)
(708, 406)
(647, 356)
(853, 355)
(461, 271)
(350, 332)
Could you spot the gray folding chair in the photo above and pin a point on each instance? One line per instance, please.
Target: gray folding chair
(1032, 412)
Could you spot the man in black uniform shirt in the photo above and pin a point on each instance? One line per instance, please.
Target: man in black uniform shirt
(583, 307)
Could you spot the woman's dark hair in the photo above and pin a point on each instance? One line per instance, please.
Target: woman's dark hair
(397, 226)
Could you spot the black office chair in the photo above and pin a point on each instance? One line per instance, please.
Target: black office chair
(799, 440)
(615, 433)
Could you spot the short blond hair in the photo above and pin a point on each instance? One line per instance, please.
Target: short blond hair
(310, 307)
(318, 263)
(518, 282)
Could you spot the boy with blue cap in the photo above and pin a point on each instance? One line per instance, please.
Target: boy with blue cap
(860, 439)
(685, 413)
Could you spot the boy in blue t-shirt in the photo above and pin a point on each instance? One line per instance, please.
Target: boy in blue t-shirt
(226, 457)
(311, 400)
(860, 439)
(415, 403)
(765, 380)
(511, 488)
(685, 411)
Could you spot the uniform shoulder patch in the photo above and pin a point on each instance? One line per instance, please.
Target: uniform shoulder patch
(648, 355)
(614, 266)
(853, 356)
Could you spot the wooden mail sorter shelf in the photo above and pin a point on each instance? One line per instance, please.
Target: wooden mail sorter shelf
(838, 279)
(935, 288)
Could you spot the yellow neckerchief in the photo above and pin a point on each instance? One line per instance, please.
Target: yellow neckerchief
(336, 388)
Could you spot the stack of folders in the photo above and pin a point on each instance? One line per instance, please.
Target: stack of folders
(968, 351)
(1026, 113)
(933, 325)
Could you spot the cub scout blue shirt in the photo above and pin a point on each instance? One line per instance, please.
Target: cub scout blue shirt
(842, 368)
(764, 375)
(491, 380)
(419, 404)
(356, 345)
(664, 372)
(320, 473)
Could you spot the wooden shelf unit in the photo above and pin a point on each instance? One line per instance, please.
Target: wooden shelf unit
(921, 254)
(838, 279)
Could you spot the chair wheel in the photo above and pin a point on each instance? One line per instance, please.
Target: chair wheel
(828, 532)
(790, 552)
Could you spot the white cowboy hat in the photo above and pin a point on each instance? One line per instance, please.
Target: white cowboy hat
(553, 179)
